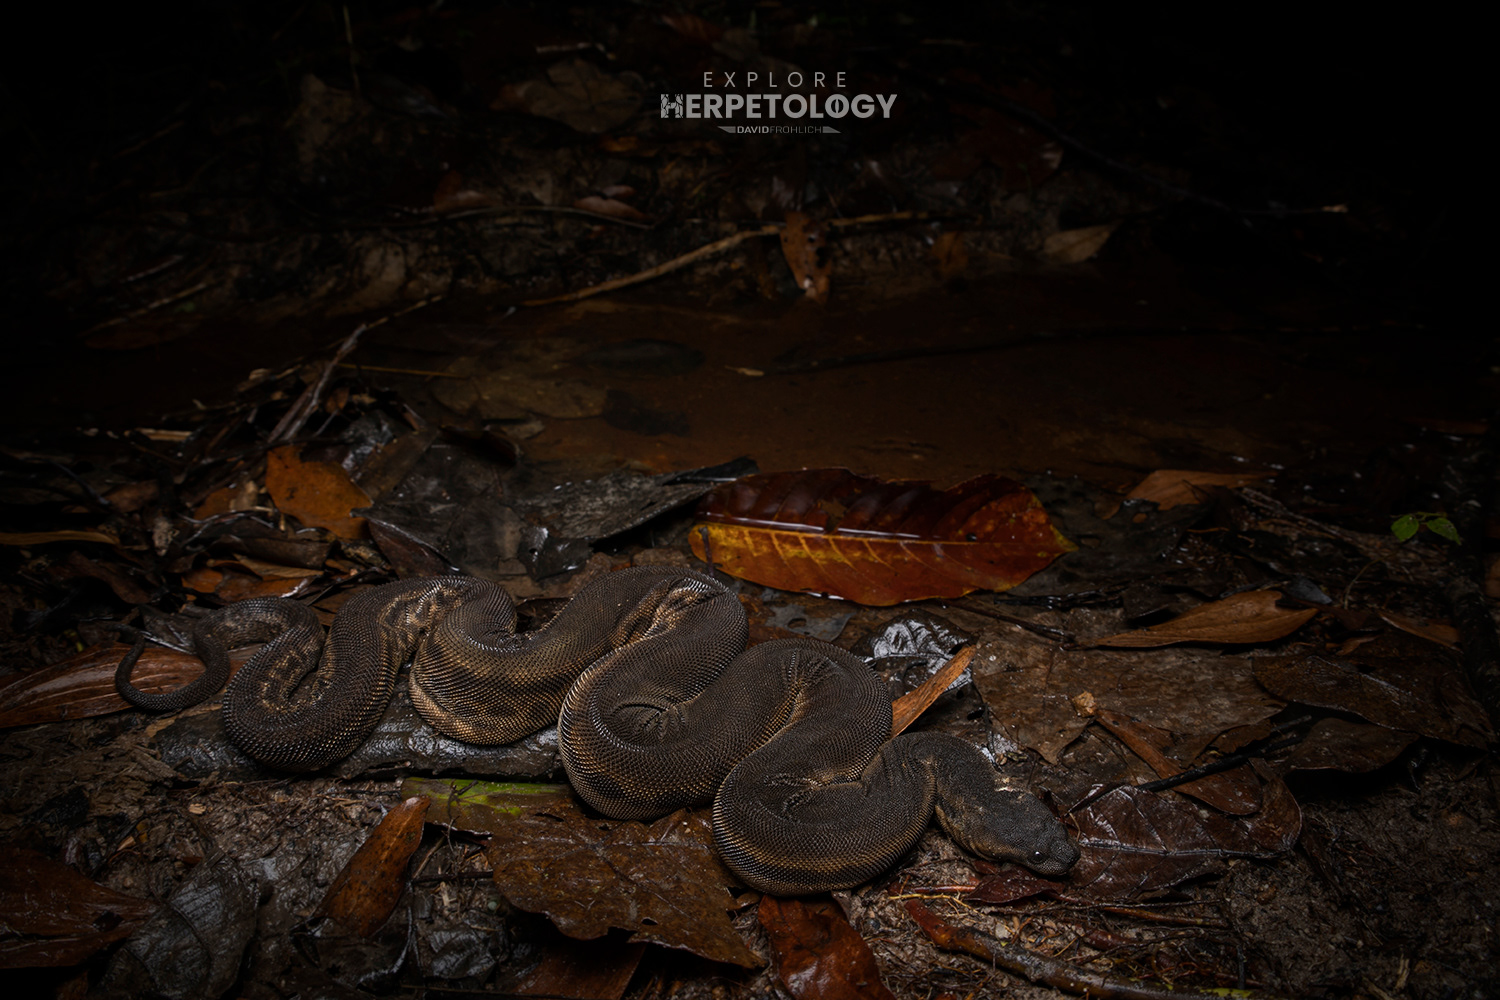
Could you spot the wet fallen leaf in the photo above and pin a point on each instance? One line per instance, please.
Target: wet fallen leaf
(1398, 681)
(906, 709)
(1030, 687)
(1167, 488)
(193, 945)
(1250, 617)
(818, 955)
(830, 531)
(318, 494)
(805, 246)
(578, 94)
(1342, 745)
(1074, 246)
(1132, 841)
(63, 917)
(125, 588)
(1025, 157)
(229, 499)
(583, 970)
(83, 686)
(662, 882)
(1235, 792)
(363, 895)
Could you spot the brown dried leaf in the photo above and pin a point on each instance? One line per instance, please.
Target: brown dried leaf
(1132, 842)
(365, 893)
(231, 586)
(1169, 488)
(583, 970)
(950, 253)
(662, 883)
(1398, 681)
(1341, 745)
(1244, 618)
(70, 916)
(893, 541)
(83, 686)
(1235, 792)
(818, 955)
(1024, 156)
(1074, 246)
(1030, 687)
(578, 94)
(804, 244)
(453, 195)
(906, 709)
(316, 493)
(1441, 633)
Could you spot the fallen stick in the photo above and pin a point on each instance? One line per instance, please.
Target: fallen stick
(710, 250)
(1044, 970)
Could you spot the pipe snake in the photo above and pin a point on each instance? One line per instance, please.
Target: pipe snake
(658, 704)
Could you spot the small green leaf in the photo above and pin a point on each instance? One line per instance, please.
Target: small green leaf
(1405, 527)
(1444, 528)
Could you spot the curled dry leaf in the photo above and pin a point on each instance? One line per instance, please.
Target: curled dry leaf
(316, 493)
(61, 916)
(818, 955)
(1244, 618)
(363, 895)
(830, 531)
(1074, 246)
(805, 246)
(661, 882)
(1169, 488)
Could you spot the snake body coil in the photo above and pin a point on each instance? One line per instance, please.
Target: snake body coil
(658, 705)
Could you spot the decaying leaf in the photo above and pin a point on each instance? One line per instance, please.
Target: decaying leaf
(818, 955)
(83, 686)
(61, 917)
(1342, 745)
(1243, 618)
(662, 882)
(363, 895)
(1031, 690)
(805, 246)
(316, 493)
(1168, 488)
(1133, 841)
(830, 531)
(43, 537)
(613, 207)
(1074, 246)
(583, 970)
(1398, 681)
(578, 94)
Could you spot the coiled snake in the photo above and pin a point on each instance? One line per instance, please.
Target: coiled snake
(658, 705)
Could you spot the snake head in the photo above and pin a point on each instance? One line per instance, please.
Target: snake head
(1012, 826)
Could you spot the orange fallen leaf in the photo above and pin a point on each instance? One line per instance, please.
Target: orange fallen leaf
(316, 493)
(66, 916)
(1074, 246)
(43, 537)
(365, 893)
(1168, 488)
(806, 250)
(830, 531)
(1441, 633)
(1244, 618)
(613, 207)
